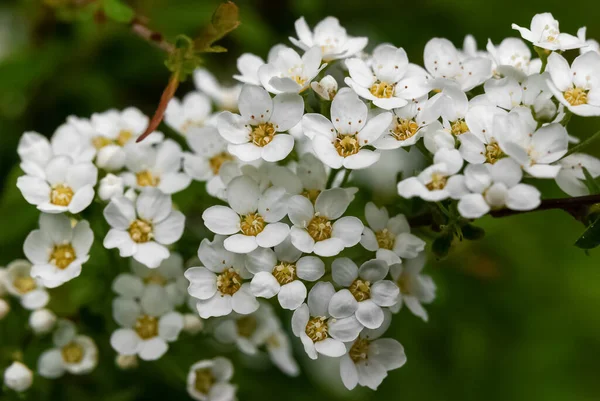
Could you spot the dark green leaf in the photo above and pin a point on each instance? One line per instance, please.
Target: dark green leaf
(224, 20)
(591, 183)
(441, 245)
(472, 232)
(117, 11)
(591, 237)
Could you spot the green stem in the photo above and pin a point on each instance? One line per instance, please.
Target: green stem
(582, 144)
(332, 175)
(421, 146)
(345, 178)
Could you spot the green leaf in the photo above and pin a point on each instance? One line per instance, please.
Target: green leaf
(472, 232)
(591, 183)
(224, 20)
(117, 11)
(591, 237)
(441, 245)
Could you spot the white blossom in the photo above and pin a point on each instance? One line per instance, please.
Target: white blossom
(209, 380)
(18, 282)
(111, 186)
(289, 72)
(188, 114)
(571, 179)
(18, 377)
(416, 289)
(544, 33)
(225, 97)
(42, 321)
(326, 88)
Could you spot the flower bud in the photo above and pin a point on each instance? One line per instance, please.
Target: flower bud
(4, 308)
(131, 194)
(326, 87)
(42, 321)
(110, 186)
(110, 158)
(192, 324)
(18, 377)
(126, 361)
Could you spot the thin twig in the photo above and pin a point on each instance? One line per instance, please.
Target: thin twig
(582, 144)
(140, 28)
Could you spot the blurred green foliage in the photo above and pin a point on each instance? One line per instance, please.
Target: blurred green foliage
(517, 313)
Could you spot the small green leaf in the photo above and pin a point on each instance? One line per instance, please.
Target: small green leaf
(591, 237)
(472, 232)
(224, 20)
(441, 245)
(117, 11)
(591, 183)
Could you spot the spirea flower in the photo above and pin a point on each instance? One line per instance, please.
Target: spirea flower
(571, 179)
(248, 332)
(18, 377)
(326, 88)
(18, 282)
(143, 228)
(225, 97)
(189, 114)
(544, 33)
(42, 321)
(416, 289)
(209, 380)
(110, 186)
(289, 72)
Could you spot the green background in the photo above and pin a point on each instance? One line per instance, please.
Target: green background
(516, 316)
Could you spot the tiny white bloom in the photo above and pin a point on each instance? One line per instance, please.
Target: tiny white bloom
(143, 228)
(225, 97)
(188, 114)
(18, 282)
(126, 361)
(248, 65)
(192, 324)
(209, 380)
(320, 228)
(544, 33)
(110, 186)
(512, 56)
(319, 331)
(389, 237)
(42, 321)
(280, 272)
(280, 351)
(253, 219)
(390, 82)
(65, 186)
(577, 87)
(415, 288)
(57, 249)
(18, 377)
(571, 178)
(326, 88)
(72, 353)
(479, 144)
(341, 142)
(365, 291)
(259, 132)
(288, 72)
(222, 285)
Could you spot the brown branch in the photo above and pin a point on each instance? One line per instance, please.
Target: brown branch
(140, 28)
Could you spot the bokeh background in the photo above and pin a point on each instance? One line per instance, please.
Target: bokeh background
(517, 313)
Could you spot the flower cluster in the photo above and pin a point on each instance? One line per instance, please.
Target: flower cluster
(281, 155)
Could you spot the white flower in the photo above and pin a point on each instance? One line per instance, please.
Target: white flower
(259, 131)
(221, 286)
(248, 332)
(390, 81)
(479, 144)
(365, 291)
(578, 86)
(192, 324)
(280, 272)
(65, 186)
(370, 357)
(189, 114)
(331, 38)
(326, 88)
(18, 377)
(165, 282)
(544, 33)
(125, 362)
(225, 97)
(158, 167)
(514, 54)
(208, 380)
(443, 60)
(248, 65)
(533, 149)
(415, 288)
(290, 73)
(18, 282)
(437, 182)
(252, 220)
(280, 351)
(142, 229)
(452, 105)
(571, 178)
(42, 321)
(390, 238)
(146, 329)
(72, 353)
(318, 228)
(111, 186)
(341, 141)
(58, 250)
(319, 331)
(495, 186)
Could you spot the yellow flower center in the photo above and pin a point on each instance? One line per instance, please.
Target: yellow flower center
(438, 182)
(252, 224)
(217, 161)
(359, 350)
(61, 195)
(141, 231)
(204, 381)
(404, 284)
(346, 145)
(62, 255)
(459, 127)
(576, 96)
(72, 353)
(262, 134)
(319, 228)
(191, 123)
(493, 153)
(156, 278)
(229, 282)
(101, 141)
(361, 289)
(382, 89)
(316, 328)
(404, 129)
(299, 80)
(246, 326)
(24, 284)
(385, 239)
(147, 179)
(146, 327)
(311, 194)
(284, 272)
